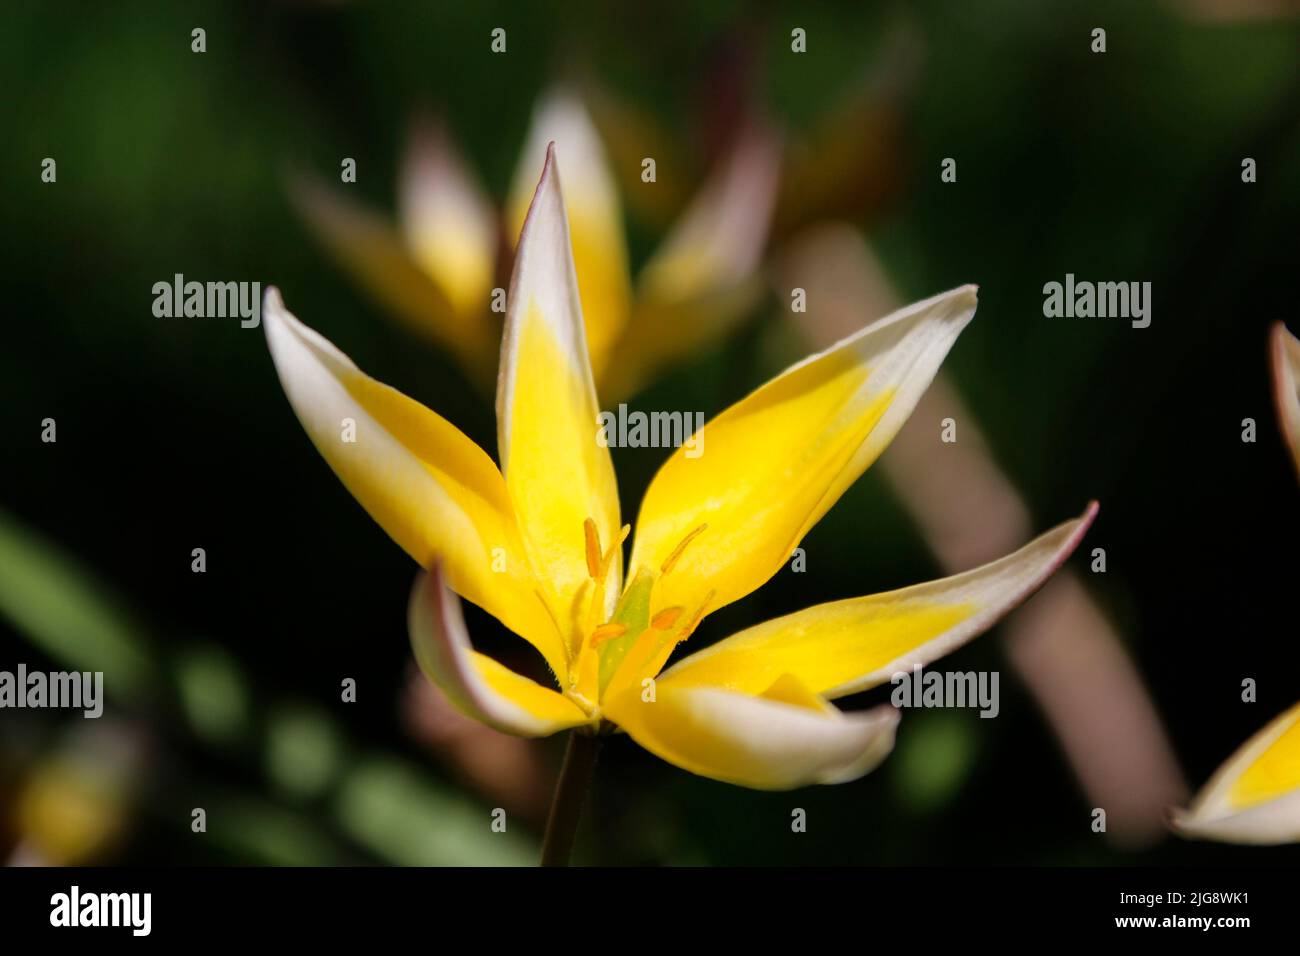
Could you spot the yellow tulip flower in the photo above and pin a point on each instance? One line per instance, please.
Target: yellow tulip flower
(437, 269)
(539, 542)
(1255, 796)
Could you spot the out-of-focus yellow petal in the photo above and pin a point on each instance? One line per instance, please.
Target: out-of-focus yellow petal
(702, 280)
(558, 474)
(380, 260)
(766, 469)
(1255, 796)
(434, 491)
(449, 224)
(848, 646)
(777, 741)
(1286, 386)
(477, 684)
(595, 214)
(722, 234)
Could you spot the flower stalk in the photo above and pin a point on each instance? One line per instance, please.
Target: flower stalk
(570, 795)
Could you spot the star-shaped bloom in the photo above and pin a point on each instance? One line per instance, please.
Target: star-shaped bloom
(538, 542)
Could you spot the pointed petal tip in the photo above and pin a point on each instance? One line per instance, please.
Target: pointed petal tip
(1176, 819)
(549, 170)
(548, 189)
(275, 317)
(968, 296)
(1282, 342)
(1075, 530)
(272, 300)
(954, 307)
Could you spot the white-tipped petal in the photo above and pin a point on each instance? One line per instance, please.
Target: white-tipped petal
(704, 278)
(449, 224)
(559, 475)
(475, 683)
(777, 742)
(757, 477)
(595, 213)
(844, 647)
(434, 491)
(373, 250)
(1255, 796)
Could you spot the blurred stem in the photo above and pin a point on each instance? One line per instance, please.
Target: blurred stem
(570, 793)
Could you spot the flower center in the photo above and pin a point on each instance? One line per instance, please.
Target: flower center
(634, 636)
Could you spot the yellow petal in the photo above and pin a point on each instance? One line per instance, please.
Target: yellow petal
(703, 279)
(448, 223)
(434, 491)
(1286, 386)
(848, 646)
(477, 684)
(776, 742)
(767, 468)
(380, 260)
(558, 474)
(595, 213)
(1255, 796)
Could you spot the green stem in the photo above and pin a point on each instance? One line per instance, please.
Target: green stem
(570, 792)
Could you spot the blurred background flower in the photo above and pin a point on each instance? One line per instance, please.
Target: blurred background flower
(443, 272)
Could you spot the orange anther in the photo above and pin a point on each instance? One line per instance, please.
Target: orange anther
(666, 618)
(593, 549)
(607, 632)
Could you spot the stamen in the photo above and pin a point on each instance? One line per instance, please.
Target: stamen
(608, 559)
(665, 619)
(593, 549)
(546, 606)
(689, 629)
(677, 551)
(569, 651)
(607, 632)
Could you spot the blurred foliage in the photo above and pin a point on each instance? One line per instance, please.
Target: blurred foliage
(934, 758)
(69, 616)
(175, 434)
